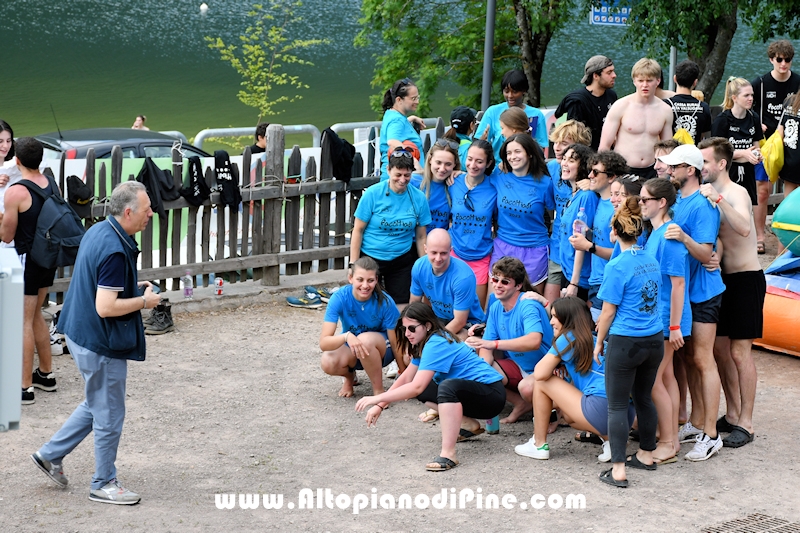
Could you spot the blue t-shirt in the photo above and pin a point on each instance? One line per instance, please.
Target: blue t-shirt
(632, 282)
(593, 382)
(700, 220)
(358, 317)
(471, 229)
(673, 257)
(438, 204)
(391, 219)
(453, 290)
(521, 202)
(527, 316)
(602, 237)
(588, 200)
(464, 142)
(395, 126)
(491, 120)
(454, 360)
(562, 193)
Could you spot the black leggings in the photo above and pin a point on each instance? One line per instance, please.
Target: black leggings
(395, 275)
(478, 400)
(631, 368)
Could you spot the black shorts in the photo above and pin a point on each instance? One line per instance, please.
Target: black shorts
(742, 313)
(478, 400)
(583, 293)
(36, 277)
(395, 275)
(645, 173)
(707, 312)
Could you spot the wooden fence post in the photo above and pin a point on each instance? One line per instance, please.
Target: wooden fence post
(273, 208)
(325, 173)
(247, 206)
(292, 214)
(309, 215)
(177, 214)
(439, 128)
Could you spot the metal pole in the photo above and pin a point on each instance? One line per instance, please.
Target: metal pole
(673, 59)
(488, 49)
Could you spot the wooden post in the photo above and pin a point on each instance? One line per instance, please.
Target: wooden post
(439, 129)
(258, 221)
(309, 215)
(247, 206)
(205, 243)
(116, 167)
(371, 152)
(325, 173)
(177, 214)
(233, 221)
(292, 215)
(273, 208)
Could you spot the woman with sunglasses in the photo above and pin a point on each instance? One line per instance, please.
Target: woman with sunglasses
(473, 212)
(447, 375)
(399, 124)
(656, 201)
(367, 341)
(523, 195)
(631, 322)
(389, 226)
(575, 265)
(440, 163)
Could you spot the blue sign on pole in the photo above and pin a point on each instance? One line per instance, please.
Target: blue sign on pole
(609, 15)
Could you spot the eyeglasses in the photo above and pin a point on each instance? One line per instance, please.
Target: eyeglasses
(401, 152)
(645, 199)
(468, 202)
(413, 98)
(505, 282)
(782, 59)
(596, 172)
(412, 328)
(682, 165)
(446, 143)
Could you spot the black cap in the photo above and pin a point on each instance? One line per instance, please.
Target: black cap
(80, 196)
(461, 118)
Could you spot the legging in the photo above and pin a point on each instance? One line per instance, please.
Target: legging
(631, 368)
(478, 400)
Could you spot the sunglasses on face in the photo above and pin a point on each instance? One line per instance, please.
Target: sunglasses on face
(413, 328)
(645, 199)
(594, 172)
(504, 281)
(401, 152)
(782, 59)
(446, 143)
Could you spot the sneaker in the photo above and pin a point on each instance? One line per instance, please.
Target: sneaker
(114, 493)
(606, 455)
(54, 471)
(323, 294)
(310, 301)
(529, 449)
(688, 433)
(28, 396)
(392, 370)
(46, 382)
(161, 323)
(704, 448)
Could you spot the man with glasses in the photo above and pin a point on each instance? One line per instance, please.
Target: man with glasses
(696, 225)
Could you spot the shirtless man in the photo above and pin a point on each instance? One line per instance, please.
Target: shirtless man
(636, 122)
(741, 316)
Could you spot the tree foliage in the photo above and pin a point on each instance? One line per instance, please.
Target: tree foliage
(265, 50)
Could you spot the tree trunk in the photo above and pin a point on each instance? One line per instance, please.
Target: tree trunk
(712, 61)
(534, 46)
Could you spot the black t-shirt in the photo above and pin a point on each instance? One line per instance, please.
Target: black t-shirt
(256, 149)
(769, 97)
(690, 114)
(743, 134)
(791, 155)
(583, 106)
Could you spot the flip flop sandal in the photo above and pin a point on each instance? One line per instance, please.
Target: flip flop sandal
(761, 247)
(606, 477)
(738, 438)
(723, 426)
(673, 459)
(634, 462)
(431, 415)
(441, 464)
(588, 436)
(465, 434)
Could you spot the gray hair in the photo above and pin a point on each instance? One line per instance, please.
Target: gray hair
(125, 195)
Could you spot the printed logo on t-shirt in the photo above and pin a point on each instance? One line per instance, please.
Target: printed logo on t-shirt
(649, 297)
(687, 122)
(790, 134)
(771, 94)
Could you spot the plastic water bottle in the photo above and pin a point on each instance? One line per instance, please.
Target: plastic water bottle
(579, 226)
(188, 286)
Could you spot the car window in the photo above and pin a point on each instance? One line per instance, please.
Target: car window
(158, 151)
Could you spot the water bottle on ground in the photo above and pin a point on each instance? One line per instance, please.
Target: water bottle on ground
(493, 426)
(188, 286)
(580, 226)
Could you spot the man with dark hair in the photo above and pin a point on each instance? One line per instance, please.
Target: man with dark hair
(689, 113)
(18, 224)
(514, 86)
(590, 104)
(102, 323)
(261, 139)
(663, 148)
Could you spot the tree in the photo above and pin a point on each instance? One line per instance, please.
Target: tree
(266, 49)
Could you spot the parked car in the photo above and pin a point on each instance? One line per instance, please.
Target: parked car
(134, 143)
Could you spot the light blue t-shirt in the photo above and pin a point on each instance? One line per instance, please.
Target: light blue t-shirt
(593, 382)
(527, 316)
(588, 200)
(454, 360)
(562, 192)
(632, 282)
(453, 290)
(521, 202)
(391, 219)
(438, 204)
(491, 120)
(700, 220)
(673, 257)
(396, 126)
(358, 317)
(602, 237)
(471, 229)
(464, 142)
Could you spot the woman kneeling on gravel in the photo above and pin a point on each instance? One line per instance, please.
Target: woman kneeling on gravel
(446, 373)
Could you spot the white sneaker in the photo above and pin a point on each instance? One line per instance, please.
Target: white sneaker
(529, 449)
(704, 448)
(114, 493)
(56, 346)
(606, 455)
(391, 370)
(688, 433)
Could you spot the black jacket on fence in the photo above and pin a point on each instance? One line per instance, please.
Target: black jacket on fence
(196, 191)
(160, 186)
(342, 154)
(227, 182)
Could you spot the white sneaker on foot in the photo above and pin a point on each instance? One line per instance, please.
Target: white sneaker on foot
(606, 455)
(704, 448)
(54, 471)
(529, 449)
(391, 370)
(114, 493)
(688, 433)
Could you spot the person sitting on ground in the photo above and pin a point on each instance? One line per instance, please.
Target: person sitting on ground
(448, 376)
(261, 139)
(367, 341)
(138, 124)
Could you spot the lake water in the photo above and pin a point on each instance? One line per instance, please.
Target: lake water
(100, 63)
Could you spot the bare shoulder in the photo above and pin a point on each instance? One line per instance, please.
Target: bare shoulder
(619, 107)
(16, 195)
(737, 196)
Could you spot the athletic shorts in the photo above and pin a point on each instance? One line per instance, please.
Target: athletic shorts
(395, 275)
(388, 357)
(707, 312)
(761, 173)
(645, 173)
(554, 273)
(742, 313)
(534, 259)
(513, 372)
(480, 267)
(36, 277)
(595, 411)
(478, 400)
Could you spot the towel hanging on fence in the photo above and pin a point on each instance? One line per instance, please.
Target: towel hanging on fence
(227, 184)
(196, 191)
(342, 154)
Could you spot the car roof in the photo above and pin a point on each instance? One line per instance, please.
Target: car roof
(97, 135)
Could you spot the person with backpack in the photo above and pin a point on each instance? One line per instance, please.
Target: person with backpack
(18, 224)
(691, 115)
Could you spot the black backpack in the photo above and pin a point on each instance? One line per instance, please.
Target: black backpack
(58, 230)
